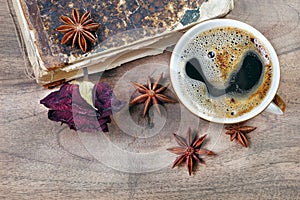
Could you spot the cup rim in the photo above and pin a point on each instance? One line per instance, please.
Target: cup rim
(214, 23)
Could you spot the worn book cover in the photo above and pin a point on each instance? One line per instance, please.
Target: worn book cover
(128, 30)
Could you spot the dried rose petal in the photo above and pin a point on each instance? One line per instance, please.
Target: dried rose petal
(59, 100)
(67, 106)
(105, 101)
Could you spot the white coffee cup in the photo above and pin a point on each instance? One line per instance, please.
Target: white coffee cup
(271, 102)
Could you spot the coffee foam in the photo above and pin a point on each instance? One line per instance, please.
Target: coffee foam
(220, 52)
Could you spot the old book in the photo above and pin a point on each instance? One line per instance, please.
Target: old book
(129, 29)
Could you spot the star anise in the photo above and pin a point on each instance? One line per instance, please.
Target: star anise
(189, 150)
(151, 94)
(78, 29)
(238, 132)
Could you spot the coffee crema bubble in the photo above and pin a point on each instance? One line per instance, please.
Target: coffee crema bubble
(226, 72)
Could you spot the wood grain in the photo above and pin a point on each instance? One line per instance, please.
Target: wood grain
(39, 159)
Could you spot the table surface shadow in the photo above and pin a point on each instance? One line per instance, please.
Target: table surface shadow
(41, 159)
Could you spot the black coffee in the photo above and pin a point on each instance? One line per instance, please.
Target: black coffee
(243, 80)
(194, 71)
(248, 76)
(226, 72)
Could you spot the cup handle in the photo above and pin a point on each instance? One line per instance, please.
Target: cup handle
(277, 106)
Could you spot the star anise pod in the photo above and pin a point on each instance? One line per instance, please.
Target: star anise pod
(189, 150)
(151, 94)
(78, 29)
(238, 132)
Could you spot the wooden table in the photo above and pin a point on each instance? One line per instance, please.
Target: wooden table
(42, 160)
